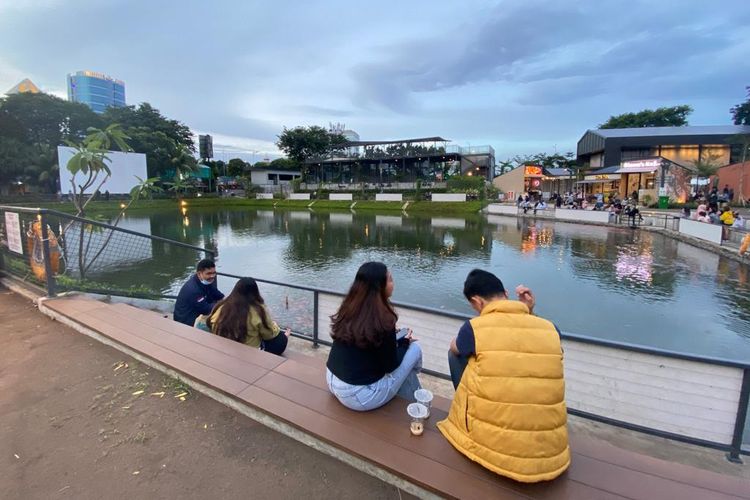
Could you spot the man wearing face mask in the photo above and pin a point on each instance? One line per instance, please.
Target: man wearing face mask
(198, 295)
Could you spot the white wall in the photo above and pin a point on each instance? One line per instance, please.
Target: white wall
(702, 230)
(497, 208)
(124, 167)
(264, 196)
(388, 197)
(449, 197)
(582, 215)
(299, 196)
(340, 196)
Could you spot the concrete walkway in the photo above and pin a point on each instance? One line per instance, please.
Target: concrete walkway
(81, 420)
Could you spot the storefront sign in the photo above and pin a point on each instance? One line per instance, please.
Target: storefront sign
(650, 163)
(533, 171)
(603, 177)
(13, 232)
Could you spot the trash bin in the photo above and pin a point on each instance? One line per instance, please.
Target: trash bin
(663, 201)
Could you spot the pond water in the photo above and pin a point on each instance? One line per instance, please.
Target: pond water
(613, 283)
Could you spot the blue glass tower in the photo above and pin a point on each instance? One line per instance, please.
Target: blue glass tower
(98, 91)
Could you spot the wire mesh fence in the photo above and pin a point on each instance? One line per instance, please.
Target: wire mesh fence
(62, 252)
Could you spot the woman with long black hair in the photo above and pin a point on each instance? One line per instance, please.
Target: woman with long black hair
(244, 317)
(367, 365)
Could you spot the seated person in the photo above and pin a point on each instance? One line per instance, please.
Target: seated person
(509, 412)
(739, 222)
(539, 205)
(198, 295)
(244, 317)
(367, 366)
(727, 217)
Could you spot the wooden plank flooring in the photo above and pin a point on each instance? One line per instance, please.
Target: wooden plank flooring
(293, 390)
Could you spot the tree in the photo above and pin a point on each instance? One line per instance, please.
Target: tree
(284, 164)
(302, 143)
(236, 166)
(31, 128)
(675, 116)
(706, 167)
(168, 144)
(741, 112)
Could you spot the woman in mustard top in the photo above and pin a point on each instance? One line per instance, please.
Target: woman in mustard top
(244, 317)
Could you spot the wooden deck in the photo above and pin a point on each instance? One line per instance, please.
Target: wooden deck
(292, 390)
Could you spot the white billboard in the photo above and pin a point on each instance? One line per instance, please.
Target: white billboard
(124, 166)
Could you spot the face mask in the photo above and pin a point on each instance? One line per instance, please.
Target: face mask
(206, 282)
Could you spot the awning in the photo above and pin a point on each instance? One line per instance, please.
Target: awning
(636, 170)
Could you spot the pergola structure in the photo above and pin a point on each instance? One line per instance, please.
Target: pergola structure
(383, 162)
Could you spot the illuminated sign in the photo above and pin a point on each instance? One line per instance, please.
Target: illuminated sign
(650, 163)
(533, 171)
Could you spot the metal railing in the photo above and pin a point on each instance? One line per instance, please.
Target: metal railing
(299, 306)
(62, 252)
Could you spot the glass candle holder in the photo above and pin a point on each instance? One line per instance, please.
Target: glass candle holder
(417, 412)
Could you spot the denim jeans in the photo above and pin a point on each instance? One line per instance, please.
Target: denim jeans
(457, 365)
(402, 381)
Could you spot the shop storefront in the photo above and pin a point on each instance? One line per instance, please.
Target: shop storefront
(603, 181)
(643, 177)
(532, 179)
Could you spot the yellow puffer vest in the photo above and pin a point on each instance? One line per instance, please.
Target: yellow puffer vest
(509, 413)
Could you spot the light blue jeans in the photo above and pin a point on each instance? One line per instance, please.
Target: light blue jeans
(402, 381)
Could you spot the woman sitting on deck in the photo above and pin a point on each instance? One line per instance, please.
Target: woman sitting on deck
(243, 316)
(367, 365)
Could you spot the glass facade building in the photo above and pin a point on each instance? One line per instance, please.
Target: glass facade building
(98, 91)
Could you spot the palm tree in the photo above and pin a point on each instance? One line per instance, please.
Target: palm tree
(705, 167)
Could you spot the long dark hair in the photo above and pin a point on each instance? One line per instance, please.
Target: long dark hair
(232, 322)
(366, 315)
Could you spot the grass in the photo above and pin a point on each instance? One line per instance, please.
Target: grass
(113, 206)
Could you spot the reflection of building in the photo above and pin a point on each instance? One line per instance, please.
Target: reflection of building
(25, 86)
(428, 159)
(96, 90)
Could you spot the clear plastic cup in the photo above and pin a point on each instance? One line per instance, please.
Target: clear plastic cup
(424, 397)
(417, 412)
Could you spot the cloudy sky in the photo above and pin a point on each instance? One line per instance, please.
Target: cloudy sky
(521, 75)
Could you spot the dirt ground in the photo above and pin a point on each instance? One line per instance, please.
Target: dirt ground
(79, 419)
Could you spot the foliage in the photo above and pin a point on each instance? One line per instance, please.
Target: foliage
(236, 167)
(706, 167)
(178, 186)
(302, 143)
(741, 112)
(284, 164)
(675, 116)
(91, 161)
(31, 128)
(465, 182)
(168, 144)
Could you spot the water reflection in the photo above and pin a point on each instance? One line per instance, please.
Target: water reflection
(613, 283)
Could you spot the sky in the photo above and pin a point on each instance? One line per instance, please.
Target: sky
(524, 76)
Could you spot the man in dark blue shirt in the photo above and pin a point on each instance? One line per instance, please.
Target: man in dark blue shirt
(198, 295)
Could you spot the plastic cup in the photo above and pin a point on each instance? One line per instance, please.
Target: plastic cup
(424, 397)
(417, 412)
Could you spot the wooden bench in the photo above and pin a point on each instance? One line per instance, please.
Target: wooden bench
(290, 394)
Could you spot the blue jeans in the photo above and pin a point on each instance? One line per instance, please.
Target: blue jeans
(457, 365)
(402, 381)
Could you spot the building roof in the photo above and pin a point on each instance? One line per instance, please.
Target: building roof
(606, 170)
(24, 86)
(557, 172)
(395, 141)
(672, 131)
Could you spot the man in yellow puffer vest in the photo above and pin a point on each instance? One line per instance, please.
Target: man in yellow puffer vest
(509, 412)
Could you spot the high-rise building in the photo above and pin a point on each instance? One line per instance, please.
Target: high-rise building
(98, 91)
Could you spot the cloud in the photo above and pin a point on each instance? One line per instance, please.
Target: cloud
(511, 72)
